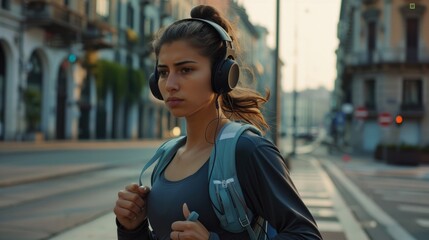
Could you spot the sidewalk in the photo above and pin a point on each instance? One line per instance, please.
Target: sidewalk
(334, 219)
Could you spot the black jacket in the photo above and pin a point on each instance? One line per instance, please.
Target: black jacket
(268, 191)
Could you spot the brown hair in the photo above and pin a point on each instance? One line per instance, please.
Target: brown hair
(241, 103)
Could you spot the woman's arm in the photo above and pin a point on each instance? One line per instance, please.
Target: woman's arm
(140, 233)
(269, 190)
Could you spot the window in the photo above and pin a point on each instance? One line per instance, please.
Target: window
(102, 8)
(412, 94)
(372, 38)
(149, 26)
(369, 94)
(412, 38)
(5, 4)
(130, 16)
(87, 8)
(118, 13)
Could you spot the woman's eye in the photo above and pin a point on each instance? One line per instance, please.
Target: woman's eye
(162, 73)
(186, 70)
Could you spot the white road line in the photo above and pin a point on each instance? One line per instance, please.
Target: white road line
(413, 209)
(313, 202)
(393, 192)
(404, 185)
(394, 229)
(329, 226)
(423, 222)
(305, 194)
(322, 212)
(406, 199)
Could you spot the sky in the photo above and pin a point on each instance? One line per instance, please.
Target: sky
(315, 23)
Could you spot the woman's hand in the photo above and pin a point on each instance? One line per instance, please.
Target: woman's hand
(130, 208)
(185, 230)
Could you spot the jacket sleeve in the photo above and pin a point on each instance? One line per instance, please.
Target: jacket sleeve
(141, 233)
(269, 191)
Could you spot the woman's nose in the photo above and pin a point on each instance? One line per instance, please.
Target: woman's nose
(172, 83)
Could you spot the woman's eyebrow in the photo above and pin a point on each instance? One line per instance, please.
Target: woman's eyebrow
(178, 63)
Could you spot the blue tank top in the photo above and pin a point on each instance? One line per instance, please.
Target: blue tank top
(166, 199)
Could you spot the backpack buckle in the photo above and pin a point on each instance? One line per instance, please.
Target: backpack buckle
(244, 222)
(223, 183)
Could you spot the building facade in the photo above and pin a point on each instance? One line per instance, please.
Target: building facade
(383, 67)
(69, 69)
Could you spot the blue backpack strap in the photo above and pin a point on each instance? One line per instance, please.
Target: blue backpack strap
(164, 154)
(224, 187)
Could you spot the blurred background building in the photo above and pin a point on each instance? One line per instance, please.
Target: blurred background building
(78, 69)
(383, 67)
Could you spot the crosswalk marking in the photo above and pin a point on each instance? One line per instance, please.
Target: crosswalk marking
(412, 194)
(314, 194)
(322, 212)
(313, 202)
(385, 183)
(329, 226)
(423, 222)
(413, 209)
(405, 199)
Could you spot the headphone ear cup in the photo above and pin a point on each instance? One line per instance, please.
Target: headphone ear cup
(153, 84)
(226, 76)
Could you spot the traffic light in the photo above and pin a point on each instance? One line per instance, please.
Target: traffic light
(399, 120)
(72, 58)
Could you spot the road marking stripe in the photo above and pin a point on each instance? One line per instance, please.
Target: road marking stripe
(405, 199)
(305, 194)
(322, 212)
(329, 226)
(392, 184)
(393, 192)
(413, 209)
(313, 202)
(423, 222)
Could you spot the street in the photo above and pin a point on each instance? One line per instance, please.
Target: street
(390, 201)
(51, 190)
(46, 192)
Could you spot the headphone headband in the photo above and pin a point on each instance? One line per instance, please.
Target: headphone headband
(222, 33)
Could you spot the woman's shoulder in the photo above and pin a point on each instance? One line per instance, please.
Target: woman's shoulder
(251, 138)
(249, 142)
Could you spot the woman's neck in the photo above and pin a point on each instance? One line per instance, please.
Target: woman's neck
(202, 133)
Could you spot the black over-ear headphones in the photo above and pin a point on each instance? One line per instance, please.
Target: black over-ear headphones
(225, 72)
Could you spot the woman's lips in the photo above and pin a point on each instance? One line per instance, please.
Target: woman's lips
(174, 102)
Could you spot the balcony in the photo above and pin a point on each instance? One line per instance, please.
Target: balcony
(368, 2)
(53, 17)
(392, 56)
(412, 110)
(98, 35)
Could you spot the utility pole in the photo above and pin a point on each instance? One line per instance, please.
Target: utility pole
(295, 74)
(276, 77)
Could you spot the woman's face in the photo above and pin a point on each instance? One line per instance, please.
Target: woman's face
(184, 79)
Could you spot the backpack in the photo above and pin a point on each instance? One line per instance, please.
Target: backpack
(224, 188)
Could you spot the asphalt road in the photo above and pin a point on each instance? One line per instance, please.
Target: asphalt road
(57, 190)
